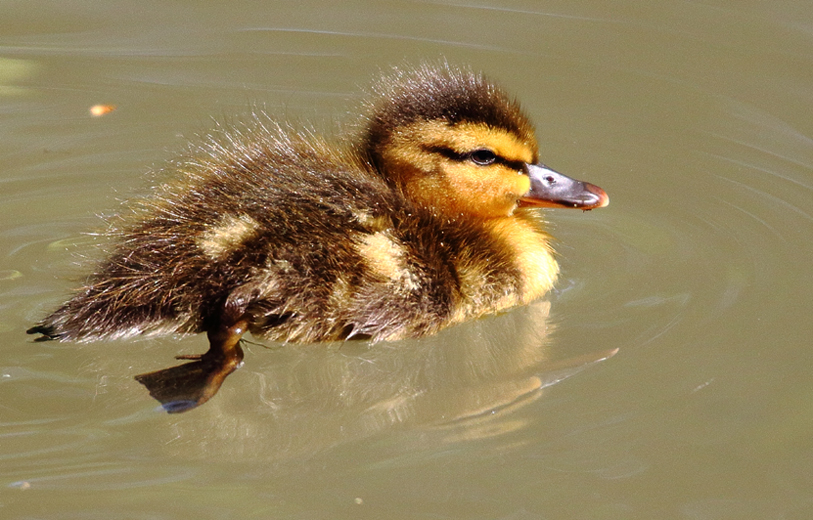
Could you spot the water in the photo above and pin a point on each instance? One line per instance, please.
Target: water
(692, 115)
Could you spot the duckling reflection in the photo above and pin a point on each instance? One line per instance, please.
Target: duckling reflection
(475, 368)
(183, 387)
(423, 222)
(471, 382)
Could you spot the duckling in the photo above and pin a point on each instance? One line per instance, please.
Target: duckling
(425, 220)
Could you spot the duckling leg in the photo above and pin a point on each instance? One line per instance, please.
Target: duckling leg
(183, 387)
(223, 340)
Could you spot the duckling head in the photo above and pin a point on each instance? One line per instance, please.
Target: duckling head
(458, 145)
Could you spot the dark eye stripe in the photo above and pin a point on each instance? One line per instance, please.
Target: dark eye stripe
(446, 152)
(515, 165)
(462, 157)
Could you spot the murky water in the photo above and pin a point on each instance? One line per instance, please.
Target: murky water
(694, 116)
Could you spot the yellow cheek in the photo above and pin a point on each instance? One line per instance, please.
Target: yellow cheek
(485, 191)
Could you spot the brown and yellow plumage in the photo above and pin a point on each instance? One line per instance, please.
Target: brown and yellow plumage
(422, 222)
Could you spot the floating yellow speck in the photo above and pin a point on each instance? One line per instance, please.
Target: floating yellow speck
(100, 110)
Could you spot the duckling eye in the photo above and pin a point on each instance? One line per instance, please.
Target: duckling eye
(483, 157)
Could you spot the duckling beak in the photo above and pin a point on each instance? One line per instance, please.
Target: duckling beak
(553, 190)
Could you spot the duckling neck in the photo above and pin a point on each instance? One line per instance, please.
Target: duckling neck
(532, 256)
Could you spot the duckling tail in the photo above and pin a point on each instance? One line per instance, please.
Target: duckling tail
(91, 316)
(48, 332)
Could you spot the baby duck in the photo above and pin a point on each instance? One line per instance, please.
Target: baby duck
(426, 221)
